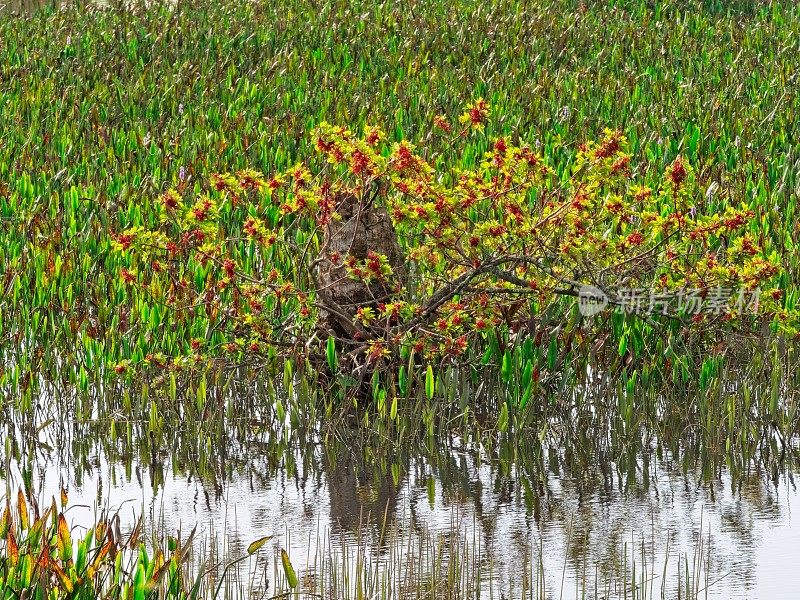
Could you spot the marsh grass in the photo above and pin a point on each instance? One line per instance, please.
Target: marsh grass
(102, 108)
(105, 107)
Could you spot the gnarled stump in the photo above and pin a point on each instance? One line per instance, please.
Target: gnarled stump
(363, 227)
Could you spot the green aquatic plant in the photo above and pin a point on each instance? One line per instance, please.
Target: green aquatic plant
(104, 110)
(41, 558)
(493, 256)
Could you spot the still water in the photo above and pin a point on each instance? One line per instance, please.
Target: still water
(570, 533)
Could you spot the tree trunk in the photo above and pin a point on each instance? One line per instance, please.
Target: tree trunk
(363, 227)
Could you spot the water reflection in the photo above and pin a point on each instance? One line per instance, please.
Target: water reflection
(531, 516)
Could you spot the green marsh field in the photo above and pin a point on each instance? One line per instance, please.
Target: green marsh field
(434, 299)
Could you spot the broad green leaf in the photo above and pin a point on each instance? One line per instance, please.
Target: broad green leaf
(288, 569)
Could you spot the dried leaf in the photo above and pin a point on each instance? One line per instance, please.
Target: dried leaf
(133, 540)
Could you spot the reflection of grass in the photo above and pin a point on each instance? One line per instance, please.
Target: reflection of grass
(42, 555)
(395, 564)
(384, 554)
(580, 434)
(103, 109)
(40, 559)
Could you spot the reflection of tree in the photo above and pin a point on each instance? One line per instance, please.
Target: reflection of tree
(590, 480)
(361, 491)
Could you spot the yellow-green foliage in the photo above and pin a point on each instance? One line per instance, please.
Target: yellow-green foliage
(41, 559)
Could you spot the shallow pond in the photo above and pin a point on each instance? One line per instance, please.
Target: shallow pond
(652, 528)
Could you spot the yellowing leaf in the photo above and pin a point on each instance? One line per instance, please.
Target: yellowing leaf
(13, 549)
(62, 576)
(100, 530)
(64, 538)
(257, 545)
(5, 521)
(43, 562)
(22, 508)
(98, 559)
(102, 553)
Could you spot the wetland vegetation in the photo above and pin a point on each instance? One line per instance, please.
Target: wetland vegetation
(449, 299)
